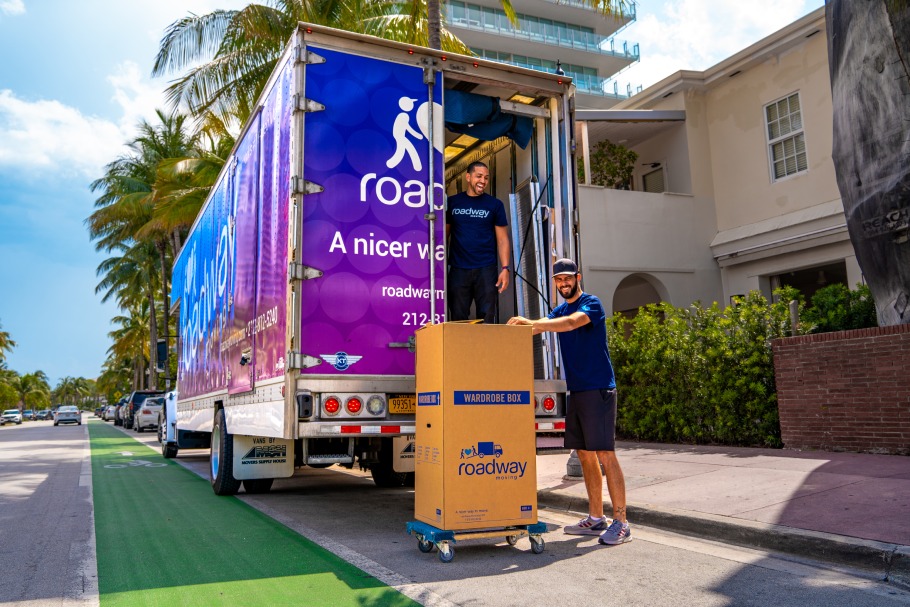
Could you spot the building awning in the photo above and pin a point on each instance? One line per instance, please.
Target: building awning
(627, 127)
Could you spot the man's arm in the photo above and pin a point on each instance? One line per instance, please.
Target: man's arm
(556, 325)
(502, 247)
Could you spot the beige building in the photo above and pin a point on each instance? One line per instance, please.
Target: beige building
(734, 187)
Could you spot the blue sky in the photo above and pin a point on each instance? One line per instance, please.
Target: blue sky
(74, 81)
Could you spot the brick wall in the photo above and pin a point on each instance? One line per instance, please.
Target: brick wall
(845, 391)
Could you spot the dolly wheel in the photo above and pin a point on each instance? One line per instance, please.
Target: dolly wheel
(424, 545)
(446, 552)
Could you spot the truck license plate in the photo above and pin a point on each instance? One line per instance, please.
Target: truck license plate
(402, 404)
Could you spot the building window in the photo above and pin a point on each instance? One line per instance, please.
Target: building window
(786, 140)
(653, 182)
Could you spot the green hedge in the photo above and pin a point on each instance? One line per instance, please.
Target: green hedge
(700, 374)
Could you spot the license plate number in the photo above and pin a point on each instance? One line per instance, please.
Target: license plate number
(402, 404)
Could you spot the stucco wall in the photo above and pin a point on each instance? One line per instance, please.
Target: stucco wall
(662, 236)
(735, 111)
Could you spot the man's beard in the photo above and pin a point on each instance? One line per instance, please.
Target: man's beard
(572, 292)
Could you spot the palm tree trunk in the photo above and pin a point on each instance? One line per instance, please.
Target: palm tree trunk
(153, 341)
(433, 24)
(162, 253)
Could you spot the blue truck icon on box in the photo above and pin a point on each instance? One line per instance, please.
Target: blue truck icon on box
(481, 450)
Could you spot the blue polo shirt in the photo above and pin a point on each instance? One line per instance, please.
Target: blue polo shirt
(472, 221)
(585, 353)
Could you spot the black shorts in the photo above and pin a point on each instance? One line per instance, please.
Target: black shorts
(591, 420)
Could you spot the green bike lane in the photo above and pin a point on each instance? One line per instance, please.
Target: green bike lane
(163, 538)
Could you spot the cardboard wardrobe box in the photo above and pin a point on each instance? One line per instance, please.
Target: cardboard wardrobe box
(475, 455)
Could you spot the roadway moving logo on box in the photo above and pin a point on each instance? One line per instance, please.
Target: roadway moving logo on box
(502, 470)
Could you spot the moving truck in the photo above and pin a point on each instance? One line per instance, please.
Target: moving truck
(320, 251)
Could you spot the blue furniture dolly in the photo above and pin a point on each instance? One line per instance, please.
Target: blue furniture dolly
(429, 536)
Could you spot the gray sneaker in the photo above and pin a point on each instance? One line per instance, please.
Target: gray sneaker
(617, 533)
(587, 526)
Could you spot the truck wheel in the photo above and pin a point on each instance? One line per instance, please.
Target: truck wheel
(221, 459)
(384, 474)
(258, 485)
(168, 450)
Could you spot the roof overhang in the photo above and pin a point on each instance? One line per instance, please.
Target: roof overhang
(628, 127)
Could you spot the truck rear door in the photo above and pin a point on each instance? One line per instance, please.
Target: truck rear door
(367, 230)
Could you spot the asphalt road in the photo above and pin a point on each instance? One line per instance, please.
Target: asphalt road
(346, 513)
(47, 547)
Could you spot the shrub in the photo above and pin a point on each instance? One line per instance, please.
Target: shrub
(611, 165)
(837, 308)
(699, 374)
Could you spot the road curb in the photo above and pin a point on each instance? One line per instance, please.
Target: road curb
(891, 561)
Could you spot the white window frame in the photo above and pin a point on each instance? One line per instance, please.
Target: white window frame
(791, 134)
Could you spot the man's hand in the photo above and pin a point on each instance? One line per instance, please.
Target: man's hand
(519, 320)
(503, 282)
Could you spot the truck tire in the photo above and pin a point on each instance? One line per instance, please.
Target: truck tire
(168, 450)
(221, 459)
(384, 474)
(258, 485)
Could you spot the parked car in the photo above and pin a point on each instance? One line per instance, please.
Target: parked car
(13, 416)
(68, 414)
(44, 415)
(136, 399)
(98, 411)
(146, 417)
(28, 415)
(118, 408)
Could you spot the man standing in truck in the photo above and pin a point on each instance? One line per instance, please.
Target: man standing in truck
(580, 322)
(477, 232)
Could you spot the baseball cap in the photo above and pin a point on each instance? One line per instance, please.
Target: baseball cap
(564, 266)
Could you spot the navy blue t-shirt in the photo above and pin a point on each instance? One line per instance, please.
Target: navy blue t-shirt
(472, 219)
(584, 350)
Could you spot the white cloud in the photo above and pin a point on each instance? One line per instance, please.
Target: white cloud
(696, 34)
(47, 135)
(137, 96)
(12, 7)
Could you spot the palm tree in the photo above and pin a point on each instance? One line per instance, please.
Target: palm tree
(230, 54)
(124, 369)
(6, 344)
(32, 389)
(72, 390)
(125, 219)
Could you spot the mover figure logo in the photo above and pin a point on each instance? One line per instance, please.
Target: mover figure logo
(400, 131)
(392, 188)
(340, 360)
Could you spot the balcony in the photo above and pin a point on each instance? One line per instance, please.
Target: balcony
(488, 28)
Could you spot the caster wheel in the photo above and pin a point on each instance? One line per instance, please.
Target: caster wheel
(537, 545)
(512, 539)
(446, 553)
(425, 546)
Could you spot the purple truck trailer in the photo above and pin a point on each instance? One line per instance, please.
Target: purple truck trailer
(320, 251)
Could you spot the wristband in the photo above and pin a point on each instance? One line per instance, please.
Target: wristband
(505, 267)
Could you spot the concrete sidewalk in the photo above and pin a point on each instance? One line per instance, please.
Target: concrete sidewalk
(847, 508)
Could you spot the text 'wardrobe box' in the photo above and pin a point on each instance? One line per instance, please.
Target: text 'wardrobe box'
(475, 458)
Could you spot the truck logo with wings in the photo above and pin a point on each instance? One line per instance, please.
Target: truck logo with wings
(340, 360)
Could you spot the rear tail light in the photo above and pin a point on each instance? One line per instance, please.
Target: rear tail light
(354, 405)
(146, 412)
(548, 404)
(376, 405)
(331, 405)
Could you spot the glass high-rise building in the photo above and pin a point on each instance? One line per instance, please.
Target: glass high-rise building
(581, 39)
